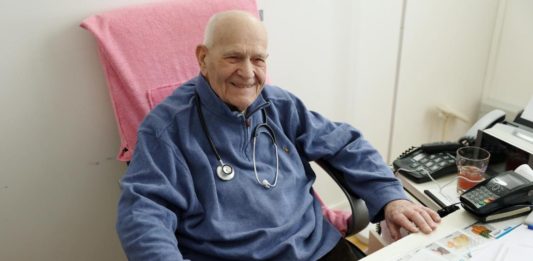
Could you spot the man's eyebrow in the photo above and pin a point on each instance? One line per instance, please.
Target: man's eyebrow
(232, 53)
(239, 53)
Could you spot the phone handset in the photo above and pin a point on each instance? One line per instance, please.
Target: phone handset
(485, 122)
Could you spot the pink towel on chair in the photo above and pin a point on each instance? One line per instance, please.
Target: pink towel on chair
(338, 218)
(147, 51)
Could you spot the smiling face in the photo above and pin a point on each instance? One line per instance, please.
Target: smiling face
(233, 59)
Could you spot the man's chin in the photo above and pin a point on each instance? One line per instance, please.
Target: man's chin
(242, 105)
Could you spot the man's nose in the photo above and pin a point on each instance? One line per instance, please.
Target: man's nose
(246, 69)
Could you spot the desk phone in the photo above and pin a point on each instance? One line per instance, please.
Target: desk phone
(435, 159)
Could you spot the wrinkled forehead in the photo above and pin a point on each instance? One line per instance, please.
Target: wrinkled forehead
(240, 43)
(240, 30)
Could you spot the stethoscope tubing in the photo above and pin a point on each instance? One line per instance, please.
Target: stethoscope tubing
(265, 183)
(225, 171)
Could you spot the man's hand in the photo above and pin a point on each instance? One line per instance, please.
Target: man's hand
(413, 217)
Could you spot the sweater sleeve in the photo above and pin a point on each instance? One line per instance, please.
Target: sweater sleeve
(345, 148)
(146, 224)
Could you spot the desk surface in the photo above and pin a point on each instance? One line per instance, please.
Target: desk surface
(417, 189)
(457, 220)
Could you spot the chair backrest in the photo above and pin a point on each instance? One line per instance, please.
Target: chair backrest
(148, 50)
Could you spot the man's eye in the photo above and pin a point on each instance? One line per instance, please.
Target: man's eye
(232, 59)
(259, 60)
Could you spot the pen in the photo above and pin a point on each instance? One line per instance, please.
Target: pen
(435, 198)
(506, 231)
(529, 221)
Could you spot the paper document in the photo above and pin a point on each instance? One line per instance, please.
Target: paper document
(528, 111)
(476, 239)
(447, 194)
(516, 246)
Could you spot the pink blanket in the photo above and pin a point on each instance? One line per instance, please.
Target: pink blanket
(145, 59)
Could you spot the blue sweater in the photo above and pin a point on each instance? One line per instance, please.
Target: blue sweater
(174, 207)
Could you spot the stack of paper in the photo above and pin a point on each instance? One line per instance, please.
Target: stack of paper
(478, 242)
(516, 246)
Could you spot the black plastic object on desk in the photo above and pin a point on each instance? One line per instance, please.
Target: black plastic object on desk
(435, 159)
(435, 147)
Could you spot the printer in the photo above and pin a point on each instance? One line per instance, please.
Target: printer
(509, 143)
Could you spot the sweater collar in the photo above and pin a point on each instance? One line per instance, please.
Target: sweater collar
(211, 102)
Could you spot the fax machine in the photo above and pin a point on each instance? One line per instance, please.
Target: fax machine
(510, 145)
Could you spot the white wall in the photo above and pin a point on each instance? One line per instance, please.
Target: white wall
(374, 56)
(445, 53)
(58, 181)
(309, 55)
(509, 81)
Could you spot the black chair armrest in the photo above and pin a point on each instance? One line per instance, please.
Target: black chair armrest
(360, 218)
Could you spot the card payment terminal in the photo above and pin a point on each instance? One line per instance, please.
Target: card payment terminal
(504, 196)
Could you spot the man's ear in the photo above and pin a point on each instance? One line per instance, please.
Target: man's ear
(201, 54)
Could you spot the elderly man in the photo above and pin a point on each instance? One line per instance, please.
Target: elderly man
(221, 169)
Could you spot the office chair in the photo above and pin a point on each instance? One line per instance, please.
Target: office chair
(148, 50)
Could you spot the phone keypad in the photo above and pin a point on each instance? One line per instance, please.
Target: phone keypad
(431, 163)
(419, 166)
(480, 196)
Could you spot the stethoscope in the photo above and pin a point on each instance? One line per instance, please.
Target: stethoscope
(225, 171)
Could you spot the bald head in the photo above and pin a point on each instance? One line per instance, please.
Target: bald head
(225, 24)
(233, 57)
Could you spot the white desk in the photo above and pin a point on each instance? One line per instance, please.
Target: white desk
(457, 220)
(417, 189)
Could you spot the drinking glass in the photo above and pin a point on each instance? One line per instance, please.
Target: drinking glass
(471, 162)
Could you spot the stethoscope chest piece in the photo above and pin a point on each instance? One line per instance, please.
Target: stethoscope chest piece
(225, 172)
